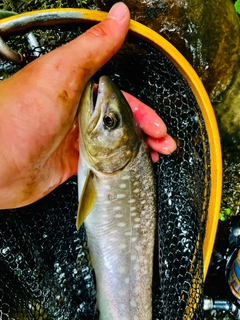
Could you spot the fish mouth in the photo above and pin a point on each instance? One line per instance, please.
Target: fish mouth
(94, 95)
(96, 106)
(99, 94)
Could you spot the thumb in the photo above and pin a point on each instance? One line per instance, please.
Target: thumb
(83, 56)
(99, 43)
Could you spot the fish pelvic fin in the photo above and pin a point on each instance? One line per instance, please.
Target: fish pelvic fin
(87, 200)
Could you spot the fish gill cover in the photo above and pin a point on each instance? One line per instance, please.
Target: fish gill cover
(45, 269)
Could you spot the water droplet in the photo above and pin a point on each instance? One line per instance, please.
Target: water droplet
(5, 250)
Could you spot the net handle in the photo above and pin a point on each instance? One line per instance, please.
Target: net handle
(50, 17)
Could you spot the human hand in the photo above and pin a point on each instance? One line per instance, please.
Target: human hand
(39, 131)
(154, 128)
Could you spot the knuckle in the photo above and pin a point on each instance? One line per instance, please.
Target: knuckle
(98, 31)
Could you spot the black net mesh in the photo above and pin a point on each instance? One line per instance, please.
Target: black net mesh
(45, 271)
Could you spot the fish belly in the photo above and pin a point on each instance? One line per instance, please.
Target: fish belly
(121, 231)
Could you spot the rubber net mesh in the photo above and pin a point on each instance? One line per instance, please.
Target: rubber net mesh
(45, 270)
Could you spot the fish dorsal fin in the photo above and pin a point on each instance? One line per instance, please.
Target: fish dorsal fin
(87, 200)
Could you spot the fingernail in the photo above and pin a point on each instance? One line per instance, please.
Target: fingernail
(118, 11)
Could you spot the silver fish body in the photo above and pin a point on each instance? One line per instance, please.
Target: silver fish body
(121, 223)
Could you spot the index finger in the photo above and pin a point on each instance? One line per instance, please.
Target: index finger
(146, 117)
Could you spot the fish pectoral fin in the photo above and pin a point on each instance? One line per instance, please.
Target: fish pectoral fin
(87, 200)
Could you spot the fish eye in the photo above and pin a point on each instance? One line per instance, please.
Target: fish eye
(110, 120)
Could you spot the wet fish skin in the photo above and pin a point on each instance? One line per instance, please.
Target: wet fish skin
(120, 223)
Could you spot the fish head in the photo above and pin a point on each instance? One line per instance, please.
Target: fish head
(109, 135)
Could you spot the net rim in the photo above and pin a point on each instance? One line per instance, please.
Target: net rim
(50, 17)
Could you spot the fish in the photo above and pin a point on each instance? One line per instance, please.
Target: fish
(117, 202)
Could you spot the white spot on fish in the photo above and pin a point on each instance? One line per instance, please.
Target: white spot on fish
(136, 267)
(117, 208)
(136, 190)
(137, 290)
(122, 246)
(121, 270)
(133, 303)
(122, 185)
(135, 183)
(128, 233)
(113, 231)
(136, 226)
(121, 224)
(121, 195)
(118, 215)
(143, 201)
(137, 247)
(127, 280)
(133, 214)
(133, 257)
(125, 177)
(137, 219)
(133, 208)
(113, 239)
(135, 318)
(131, 201)
(133, 239)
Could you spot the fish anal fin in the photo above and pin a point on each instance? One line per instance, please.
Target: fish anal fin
(87, 200)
